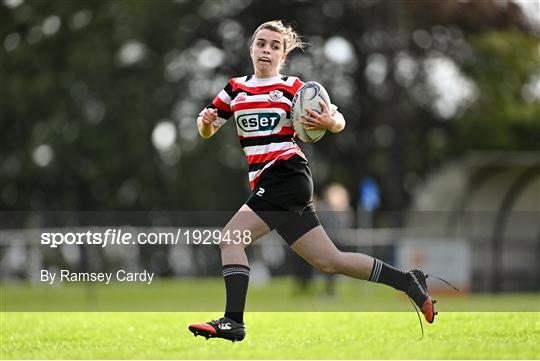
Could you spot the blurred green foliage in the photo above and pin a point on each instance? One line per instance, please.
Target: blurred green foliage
(503, 117)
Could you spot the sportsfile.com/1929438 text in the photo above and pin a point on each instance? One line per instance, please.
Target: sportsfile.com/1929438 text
(117, 236)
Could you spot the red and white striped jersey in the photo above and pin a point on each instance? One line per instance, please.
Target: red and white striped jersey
(262, 110)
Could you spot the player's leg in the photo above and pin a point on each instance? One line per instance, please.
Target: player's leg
(264, 210)
(244, 228)
(316, 248)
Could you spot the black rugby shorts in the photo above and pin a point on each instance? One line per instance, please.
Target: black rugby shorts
(283, 198)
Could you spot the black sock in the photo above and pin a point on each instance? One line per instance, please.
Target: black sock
(388, 275)
(236, 278)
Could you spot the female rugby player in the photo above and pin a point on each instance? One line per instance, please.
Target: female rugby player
(281, 183)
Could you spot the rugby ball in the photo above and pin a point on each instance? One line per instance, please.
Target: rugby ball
(308, 97)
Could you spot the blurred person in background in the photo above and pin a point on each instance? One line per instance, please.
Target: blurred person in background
(281, 183)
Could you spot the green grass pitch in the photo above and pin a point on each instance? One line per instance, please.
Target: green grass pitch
(281, 335)
(273, 335)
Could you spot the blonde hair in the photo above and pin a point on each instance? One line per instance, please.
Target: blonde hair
(291, 38)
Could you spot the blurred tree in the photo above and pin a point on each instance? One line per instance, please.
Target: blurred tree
(504, 116)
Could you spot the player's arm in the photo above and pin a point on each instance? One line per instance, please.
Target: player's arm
(205, 122)
(216, 113)
(329, 119)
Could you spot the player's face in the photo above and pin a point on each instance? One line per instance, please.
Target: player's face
(267, 53)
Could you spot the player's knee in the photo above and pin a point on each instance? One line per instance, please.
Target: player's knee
(326, 265)
(229, 245)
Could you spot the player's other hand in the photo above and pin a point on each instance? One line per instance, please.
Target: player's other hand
(208, 116)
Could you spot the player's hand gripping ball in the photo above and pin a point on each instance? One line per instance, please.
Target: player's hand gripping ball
(311, 96)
